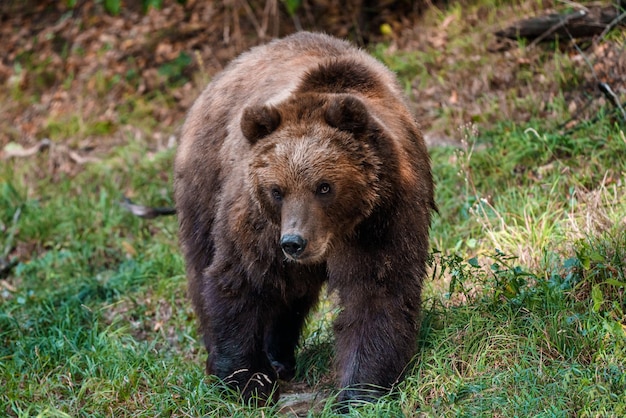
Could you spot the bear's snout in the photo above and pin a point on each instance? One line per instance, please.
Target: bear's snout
(293, 245)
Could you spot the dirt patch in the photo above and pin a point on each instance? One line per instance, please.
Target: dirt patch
(299, 399)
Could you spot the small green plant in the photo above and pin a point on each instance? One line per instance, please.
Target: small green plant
(114, 7)
(173, 70)
(292, 6)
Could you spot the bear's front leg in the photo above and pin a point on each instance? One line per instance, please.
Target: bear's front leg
(284, 333)
(376, 335)
(235, 330)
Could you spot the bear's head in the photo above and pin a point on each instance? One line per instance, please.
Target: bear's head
(315, 170)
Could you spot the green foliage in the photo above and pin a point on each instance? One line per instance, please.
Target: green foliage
(114, 7)
(173, 70)
(542, 330)
(409, 66)
(512, 321)
(156, 4)
(292, 6)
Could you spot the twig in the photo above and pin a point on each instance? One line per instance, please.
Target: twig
(270, 12)
(603, 87)
(20, 152)
(146, 212)
(260, 30)
(612, 97)
(612, 24)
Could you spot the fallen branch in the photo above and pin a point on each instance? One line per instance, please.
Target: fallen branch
(146, 212)
(583, 23)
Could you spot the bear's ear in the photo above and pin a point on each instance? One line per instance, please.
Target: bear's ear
(347, 113)
(258, 121)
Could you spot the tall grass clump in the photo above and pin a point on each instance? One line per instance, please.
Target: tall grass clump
(526, 308)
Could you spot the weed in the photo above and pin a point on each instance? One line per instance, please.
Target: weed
(172, 70)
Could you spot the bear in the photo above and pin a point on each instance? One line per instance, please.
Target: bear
(301, 166)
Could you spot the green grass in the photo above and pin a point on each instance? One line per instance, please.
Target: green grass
(523, 312)
(95, 320)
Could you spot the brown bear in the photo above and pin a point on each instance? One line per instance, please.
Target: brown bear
(301, 164)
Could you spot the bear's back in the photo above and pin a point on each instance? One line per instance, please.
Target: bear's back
(269, 74)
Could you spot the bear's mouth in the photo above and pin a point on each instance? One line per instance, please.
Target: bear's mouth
(304, 258)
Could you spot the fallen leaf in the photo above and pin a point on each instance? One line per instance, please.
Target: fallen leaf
(130, 250)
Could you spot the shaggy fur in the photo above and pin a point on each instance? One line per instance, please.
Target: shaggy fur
(301, 164)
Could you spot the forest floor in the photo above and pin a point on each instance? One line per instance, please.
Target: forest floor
(86, 79)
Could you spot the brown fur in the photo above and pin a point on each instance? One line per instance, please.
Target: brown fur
(306, 140)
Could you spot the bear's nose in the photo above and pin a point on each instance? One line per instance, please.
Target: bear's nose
(293, 245)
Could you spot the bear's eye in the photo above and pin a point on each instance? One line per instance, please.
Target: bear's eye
(323, 188)
(276, 194)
